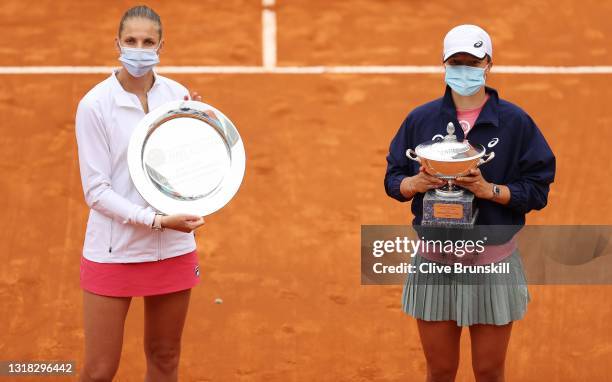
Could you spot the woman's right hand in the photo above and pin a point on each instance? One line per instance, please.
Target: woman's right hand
(420, 183)
(182, 222)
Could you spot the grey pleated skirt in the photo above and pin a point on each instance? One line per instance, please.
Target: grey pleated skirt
(467, 298)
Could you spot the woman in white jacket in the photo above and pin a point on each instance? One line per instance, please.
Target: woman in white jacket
(129, 250)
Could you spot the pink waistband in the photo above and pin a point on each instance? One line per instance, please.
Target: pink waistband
(491, 254)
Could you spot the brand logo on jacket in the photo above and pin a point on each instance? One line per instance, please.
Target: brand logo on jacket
(197, 270)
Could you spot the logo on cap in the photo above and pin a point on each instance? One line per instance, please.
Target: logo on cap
(478, 44)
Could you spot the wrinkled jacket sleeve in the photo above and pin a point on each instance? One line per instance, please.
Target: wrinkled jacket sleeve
(95, 168)
(536, 171)
(398, 165)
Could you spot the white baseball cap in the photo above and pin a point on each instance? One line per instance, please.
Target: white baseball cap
(467, 38)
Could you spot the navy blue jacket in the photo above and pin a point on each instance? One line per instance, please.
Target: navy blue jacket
(523, 160)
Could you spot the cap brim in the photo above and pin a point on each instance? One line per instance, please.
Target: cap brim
(478, 53)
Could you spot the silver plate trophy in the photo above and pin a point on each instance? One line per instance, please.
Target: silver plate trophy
(186, 157)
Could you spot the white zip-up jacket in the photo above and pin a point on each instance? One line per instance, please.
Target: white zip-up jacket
(119, 224)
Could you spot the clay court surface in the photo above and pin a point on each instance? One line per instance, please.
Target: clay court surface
(284, 254)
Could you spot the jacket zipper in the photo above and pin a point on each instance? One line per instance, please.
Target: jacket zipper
(160, 232)
(110, 246)
(159, 255)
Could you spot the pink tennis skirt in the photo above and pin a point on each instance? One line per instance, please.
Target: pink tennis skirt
(141, 279)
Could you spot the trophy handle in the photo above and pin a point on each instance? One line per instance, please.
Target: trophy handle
(412, 155)
(488, 158)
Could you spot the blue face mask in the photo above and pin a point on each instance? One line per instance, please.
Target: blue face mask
(465, 80)
(138, 61)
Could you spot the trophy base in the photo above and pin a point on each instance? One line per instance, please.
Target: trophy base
(455, 210)
(450, 193)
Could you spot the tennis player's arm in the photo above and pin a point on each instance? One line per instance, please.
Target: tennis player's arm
(95, 169)
(504, 195)
(537, 166)
(398, 167)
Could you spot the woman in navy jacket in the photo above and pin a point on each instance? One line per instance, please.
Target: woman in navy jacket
(515, 182)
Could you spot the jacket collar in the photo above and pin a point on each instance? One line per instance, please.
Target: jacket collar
(488, 115)
(124, 98)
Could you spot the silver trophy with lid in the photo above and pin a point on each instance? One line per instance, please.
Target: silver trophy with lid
(448, 158)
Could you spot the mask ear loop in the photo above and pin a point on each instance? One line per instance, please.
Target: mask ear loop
(485, 73)
(158, 46)
(119, 45)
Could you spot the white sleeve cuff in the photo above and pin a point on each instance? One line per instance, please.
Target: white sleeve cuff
(140, 215)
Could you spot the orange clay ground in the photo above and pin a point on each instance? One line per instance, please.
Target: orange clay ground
(284, 254)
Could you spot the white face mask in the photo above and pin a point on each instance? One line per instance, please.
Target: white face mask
(138, 61)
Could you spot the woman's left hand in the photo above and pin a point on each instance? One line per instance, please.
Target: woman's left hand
(194, 97)
(475, 183)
